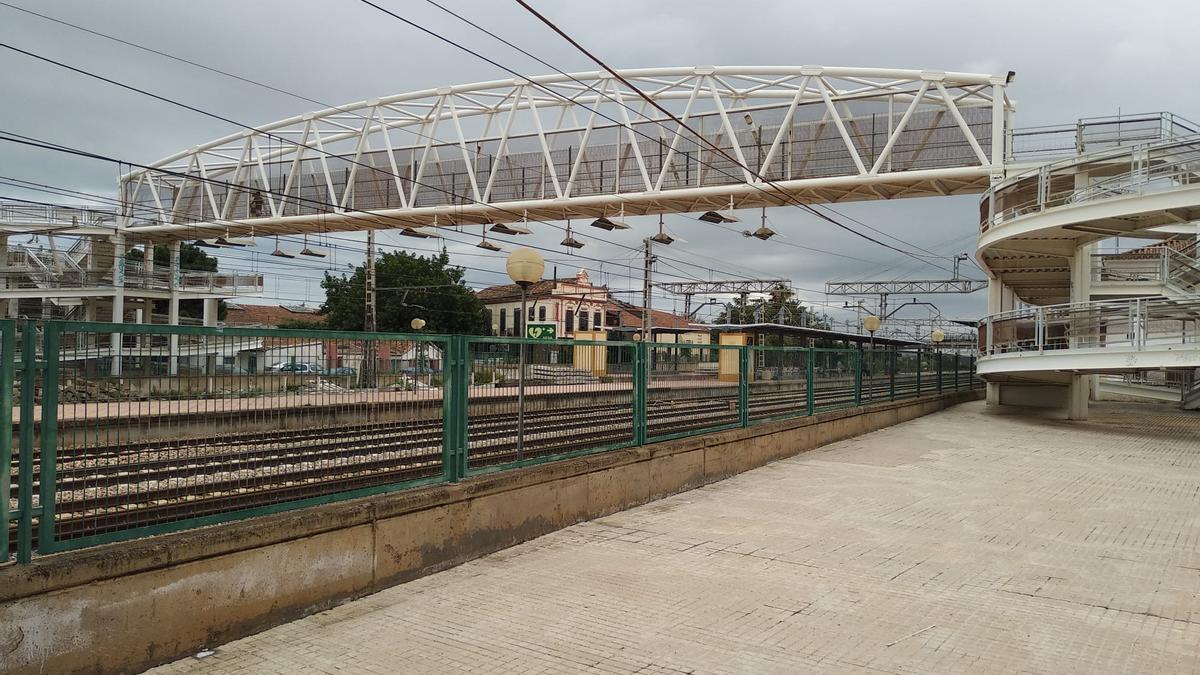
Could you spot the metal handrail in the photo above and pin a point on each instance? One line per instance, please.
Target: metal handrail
(1152, 166)
(1137, 324)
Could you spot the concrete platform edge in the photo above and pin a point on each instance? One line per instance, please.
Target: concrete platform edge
(135, 604)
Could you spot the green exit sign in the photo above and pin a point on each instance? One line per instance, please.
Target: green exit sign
(541, 330)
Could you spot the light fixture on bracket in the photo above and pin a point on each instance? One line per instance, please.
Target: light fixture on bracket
(610, 224)
(569, 241)
(311, 252)
(718, 217)
(240, 242)
(417, 233)
(513, 228)
(280, 253)
(763, 232)
(662, 237)
(485, 244)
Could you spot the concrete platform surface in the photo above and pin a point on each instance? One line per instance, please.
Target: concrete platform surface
(965, 541)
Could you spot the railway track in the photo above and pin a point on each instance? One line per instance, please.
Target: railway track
(111, 487)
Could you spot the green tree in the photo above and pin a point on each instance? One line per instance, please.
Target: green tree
(192, 258)
(780, 306)
(408, 287)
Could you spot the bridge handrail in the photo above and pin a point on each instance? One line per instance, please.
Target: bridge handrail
(1153, 166)
(53, 213)
(1137, 324)
(1081, 136)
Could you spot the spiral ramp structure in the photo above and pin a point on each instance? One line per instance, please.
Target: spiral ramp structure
(1060, 312)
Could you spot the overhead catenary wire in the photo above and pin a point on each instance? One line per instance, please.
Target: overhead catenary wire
(788, 198)
(33, 142)
(279, 90)
(231, 121)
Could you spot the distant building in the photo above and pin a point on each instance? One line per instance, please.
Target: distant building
(575, 304)
(572, 304)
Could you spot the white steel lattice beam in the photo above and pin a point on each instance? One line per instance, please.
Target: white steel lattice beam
(600, 125)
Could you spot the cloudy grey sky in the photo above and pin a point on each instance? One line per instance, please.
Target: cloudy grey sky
(1072, 58)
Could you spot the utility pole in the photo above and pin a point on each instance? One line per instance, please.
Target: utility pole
(647, 287)
(369, 323)
(370, 351)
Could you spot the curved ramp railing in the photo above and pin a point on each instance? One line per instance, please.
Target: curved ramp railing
(1139, 324)
(1135, 170)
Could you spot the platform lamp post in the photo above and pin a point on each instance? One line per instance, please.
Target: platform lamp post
(937, 336)
(871, 323)
(525, 267)
(418, 324)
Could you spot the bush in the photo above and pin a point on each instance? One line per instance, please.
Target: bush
(487, 376)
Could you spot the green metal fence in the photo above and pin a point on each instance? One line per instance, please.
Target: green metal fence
(123, 430)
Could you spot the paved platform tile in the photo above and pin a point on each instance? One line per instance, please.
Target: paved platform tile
(963, 541)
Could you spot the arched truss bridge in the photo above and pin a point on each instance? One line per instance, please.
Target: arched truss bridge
(586, 145)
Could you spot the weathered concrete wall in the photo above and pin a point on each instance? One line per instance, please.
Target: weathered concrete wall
(127, 606)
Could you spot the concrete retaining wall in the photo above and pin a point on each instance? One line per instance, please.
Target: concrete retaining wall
(127, 606)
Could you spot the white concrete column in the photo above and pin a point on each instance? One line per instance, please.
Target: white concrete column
(210, 311)
(173, 309)
(1000, 299)
(210, 319)
(118, 299)
(11, 304)
(148, 269)
(1077, 397)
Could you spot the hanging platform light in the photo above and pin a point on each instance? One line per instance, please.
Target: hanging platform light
(763, 232)
(311, 252)
(569, 241)
(485, 244)
(418, 233)
(610, 224)
(718, 217)
(662, 237)
(280, 253)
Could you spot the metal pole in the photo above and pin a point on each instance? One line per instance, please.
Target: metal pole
(647, 301)
(521, 384)
(871, 371)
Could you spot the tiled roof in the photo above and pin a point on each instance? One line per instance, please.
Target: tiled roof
(269, 315)
(541, 288)
(630, 316)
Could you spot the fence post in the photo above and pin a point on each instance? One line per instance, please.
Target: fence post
(858, 364)
(640, 383)
(937, 353)
(25, 447)
(893, 354)
(744, 385)
(8, 352)
(810, 399)
(920, 356)
(48, 454)
(957, 365)
(456, 380)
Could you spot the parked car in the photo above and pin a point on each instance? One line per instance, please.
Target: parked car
(297, 367)
(343, 370)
